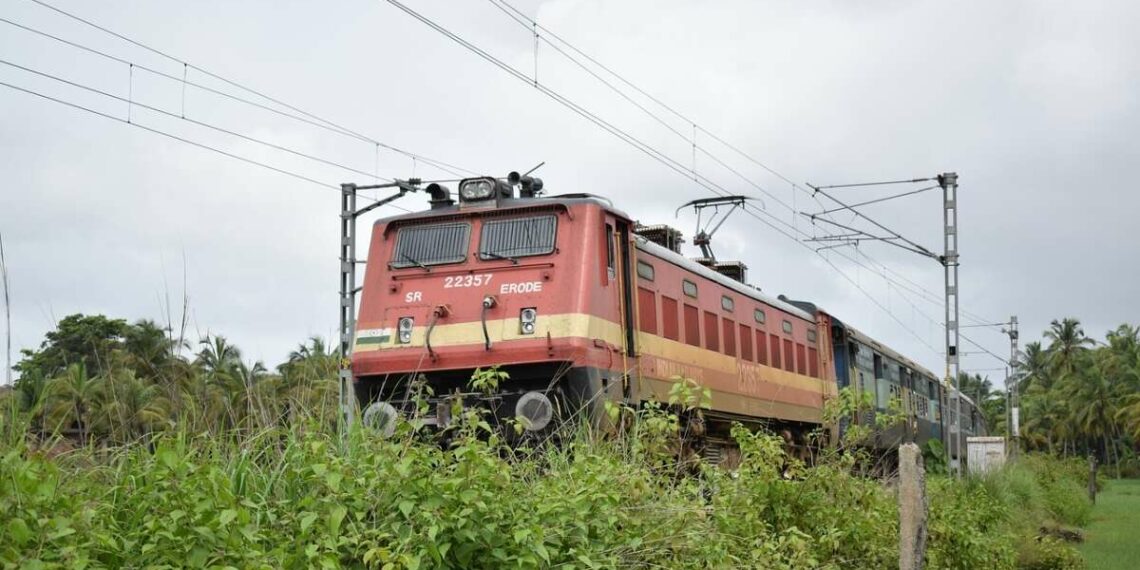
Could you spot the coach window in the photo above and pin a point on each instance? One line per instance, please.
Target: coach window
(760, 316)
(727, 303)
(689, 288)
(788, 327)
(811, 336)
(645, 271)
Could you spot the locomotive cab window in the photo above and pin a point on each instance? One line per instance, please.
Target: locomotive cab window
(518, 237)
(645, 271)
(436, 244)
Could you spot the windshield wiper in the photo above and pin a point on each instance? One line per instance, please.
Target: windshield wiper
(414, 261)
(494, 255)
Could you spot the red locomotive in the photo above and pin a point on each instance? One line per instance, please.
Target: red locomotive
(580, 305)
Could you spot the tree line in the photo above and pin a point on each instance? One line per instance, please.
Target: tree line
(1079, 396)
(105, 379)
(96, 378)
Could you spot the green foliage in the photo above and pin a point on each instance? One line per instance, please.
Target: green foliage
(934, 456)
(687, 394)
(302, 497)
(207, 460)
(77, 339)
(853, 404)
(488, 381)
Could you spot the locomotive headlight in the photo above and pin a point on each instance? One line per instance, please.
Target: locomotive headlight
(476, 189)
(404, 330)
(527, 317)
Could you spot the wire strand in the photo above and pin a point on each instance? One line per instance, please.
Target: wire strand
(304, 116)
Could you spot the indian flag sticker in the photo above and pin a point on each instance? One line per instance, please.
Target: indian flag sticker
(373, 336)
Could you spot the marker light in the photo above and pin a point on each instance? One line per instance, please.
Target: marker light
(404, 330)
(527, 318)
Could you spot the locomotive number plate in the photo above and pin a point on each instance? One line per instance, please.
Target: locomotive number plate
(467, 281)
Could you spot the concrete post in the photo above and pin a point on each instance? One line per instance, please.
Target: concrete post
(1092, 479)
(912, 508)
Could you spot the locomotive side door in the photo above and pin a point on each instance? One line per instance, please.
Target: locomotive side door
(619, 266)
(625, 278)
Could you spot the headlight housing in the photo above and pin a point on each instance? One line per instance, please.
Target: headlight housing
(527, 318)
(404, 330)
(476, 189)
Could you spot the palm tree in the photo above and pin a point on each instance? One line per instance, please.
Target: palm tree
(217, 356)
(149, 347)
(247, 380)
(71, 396)
(1067, 341)
(309, 379)
(1035, 368)
(31, 395)
(1092, 399)
(132, 407)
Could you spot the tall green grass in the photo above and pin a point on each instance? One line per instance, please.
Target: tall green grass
(302, 497)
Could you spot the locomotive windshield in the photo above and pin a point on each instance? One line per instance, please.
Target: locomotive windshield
(418, 246)
(517, 237)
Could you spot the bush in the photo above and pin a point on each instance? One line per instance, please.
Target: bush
(1049, 554)
(302, 497)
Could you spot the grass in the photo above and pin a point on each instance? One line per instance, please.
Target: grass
(1110, 541)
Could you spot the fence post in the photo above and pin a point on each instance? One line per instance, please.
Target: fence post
(912, 508)
(1092, 478)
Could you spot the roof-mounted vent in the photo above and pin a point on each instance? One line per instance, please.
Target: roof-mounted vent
(661, 235)
(735, 270)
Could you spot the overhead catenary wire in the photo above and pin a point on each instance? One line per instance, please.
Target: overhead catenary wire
(297, 113)
(529, 23)
(178, 138)
(621, 134)
(193, 121)
(664, 159)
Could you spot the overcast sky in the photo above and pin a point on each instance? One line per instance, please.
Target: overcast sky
(1033, 104)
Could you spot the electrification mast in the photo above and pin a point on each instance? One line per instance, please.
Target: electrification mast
(348, 288)
(949, 183)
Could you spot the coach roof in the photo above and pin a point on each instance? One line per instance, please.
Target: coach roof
(686, 263)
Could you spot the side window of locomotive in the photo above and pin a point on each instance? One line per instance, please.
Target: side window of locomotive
(727, 303)
(434, 244)
(645, 271)
(518, 237)
(611, 265)
(689, 288)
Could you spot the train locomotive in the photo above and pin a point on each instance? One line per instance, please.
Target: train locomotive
(581, 305)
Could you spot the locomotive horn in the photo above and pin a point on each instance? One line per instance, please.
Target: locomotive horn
(440, 196)
(531, 186)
